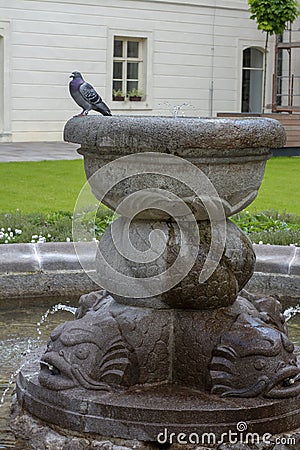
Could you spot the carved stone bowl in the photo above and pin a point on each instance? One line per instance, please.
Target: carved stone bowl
(231, 153)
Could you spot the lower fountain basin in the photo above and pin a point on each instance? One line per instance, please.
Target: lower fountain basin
(16, 337)
(138, 395)
(147, 414)
(29, 313)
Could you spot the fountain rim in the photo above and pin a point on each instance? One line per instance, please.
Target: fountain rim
(184, 136)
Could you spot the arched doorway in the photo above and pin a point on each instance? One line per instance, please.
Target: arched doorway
(252, 80)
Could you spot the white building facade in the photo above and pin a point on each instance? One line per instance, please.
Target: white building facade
(205, 54)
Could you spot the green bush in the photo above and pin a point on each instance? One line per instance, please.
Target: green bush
(49, 227)
(268, 227)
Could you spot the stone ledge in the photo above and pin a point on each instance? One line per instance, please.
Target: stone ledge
(50, 256)
(277, 259)
(53, 269)
(54, 256)
(33, 431)
(18, 258)
(50, 269)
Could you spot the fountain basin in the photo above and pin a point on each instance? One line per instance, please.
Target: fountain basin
(17, 337)
(231, 153)
(195, 353)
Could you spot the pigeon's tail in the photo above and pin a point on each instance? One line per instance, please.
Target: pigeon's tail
(102, 108)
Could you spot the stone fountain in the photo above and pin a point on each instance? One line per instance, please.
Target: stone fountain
(169, 350)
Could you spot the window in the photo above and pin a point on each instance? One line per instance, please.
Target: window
(128, 66)
(252, 80)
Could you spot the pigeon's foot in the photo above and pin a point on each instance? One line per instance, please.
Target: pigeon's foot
(81, 114)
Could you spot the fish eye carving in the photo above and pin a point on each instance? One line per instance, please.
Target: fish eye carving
(260, 364)
(281, 365)
(82, 353)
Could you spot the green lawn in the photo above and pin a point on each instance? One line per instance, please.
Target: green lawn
(45, 186)
(280, 189)
(50, 186)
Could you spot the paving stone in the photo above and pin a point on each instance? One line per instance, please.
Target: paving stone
(37, 151)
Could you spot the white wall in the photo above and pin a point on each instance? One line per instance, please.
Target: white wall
(194, 56)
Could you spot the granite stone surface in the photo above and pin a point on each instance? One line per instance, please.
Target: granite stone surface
(212, 359)
(185, 137)
(276, 258)
(33, 433)
(59, 256)
(18, 258)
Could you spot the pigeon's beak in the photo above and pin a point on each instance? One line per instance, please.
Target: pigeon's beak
(71, 76)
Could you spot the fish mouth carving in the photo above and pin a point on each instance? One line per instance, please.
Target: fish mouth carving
(55, 374)
(285, 384)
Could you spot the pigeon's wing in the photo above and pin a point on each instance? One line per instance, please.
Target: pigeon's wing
(89, 94)
(93, 98)
(102, 108)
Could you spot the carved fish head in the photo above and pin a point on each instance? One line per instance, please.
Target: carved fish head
(84, 352)
(255, 359)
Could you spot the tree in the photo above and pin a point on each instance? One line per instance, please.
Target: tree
(271, 16)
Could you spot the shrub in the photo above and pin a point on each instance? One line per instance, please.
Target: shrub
(268, 227)
(48, 227)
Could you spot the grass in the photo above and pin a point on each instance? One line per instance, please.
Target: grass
(280, 189)
(51, 186)
(38, 198)
(45, 186)
(268, 227)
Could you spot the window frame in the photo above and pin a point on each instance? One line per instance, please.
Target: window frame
(146, 38)
(125, 60)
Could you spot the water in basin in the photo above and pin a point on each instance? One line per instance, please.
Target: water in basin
(19, 331)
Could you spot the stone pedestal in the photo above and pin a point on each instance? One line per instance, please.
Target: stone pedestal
(168, 348)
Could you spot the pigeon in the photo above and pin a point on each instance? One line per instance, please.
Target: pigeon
(85, 96)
